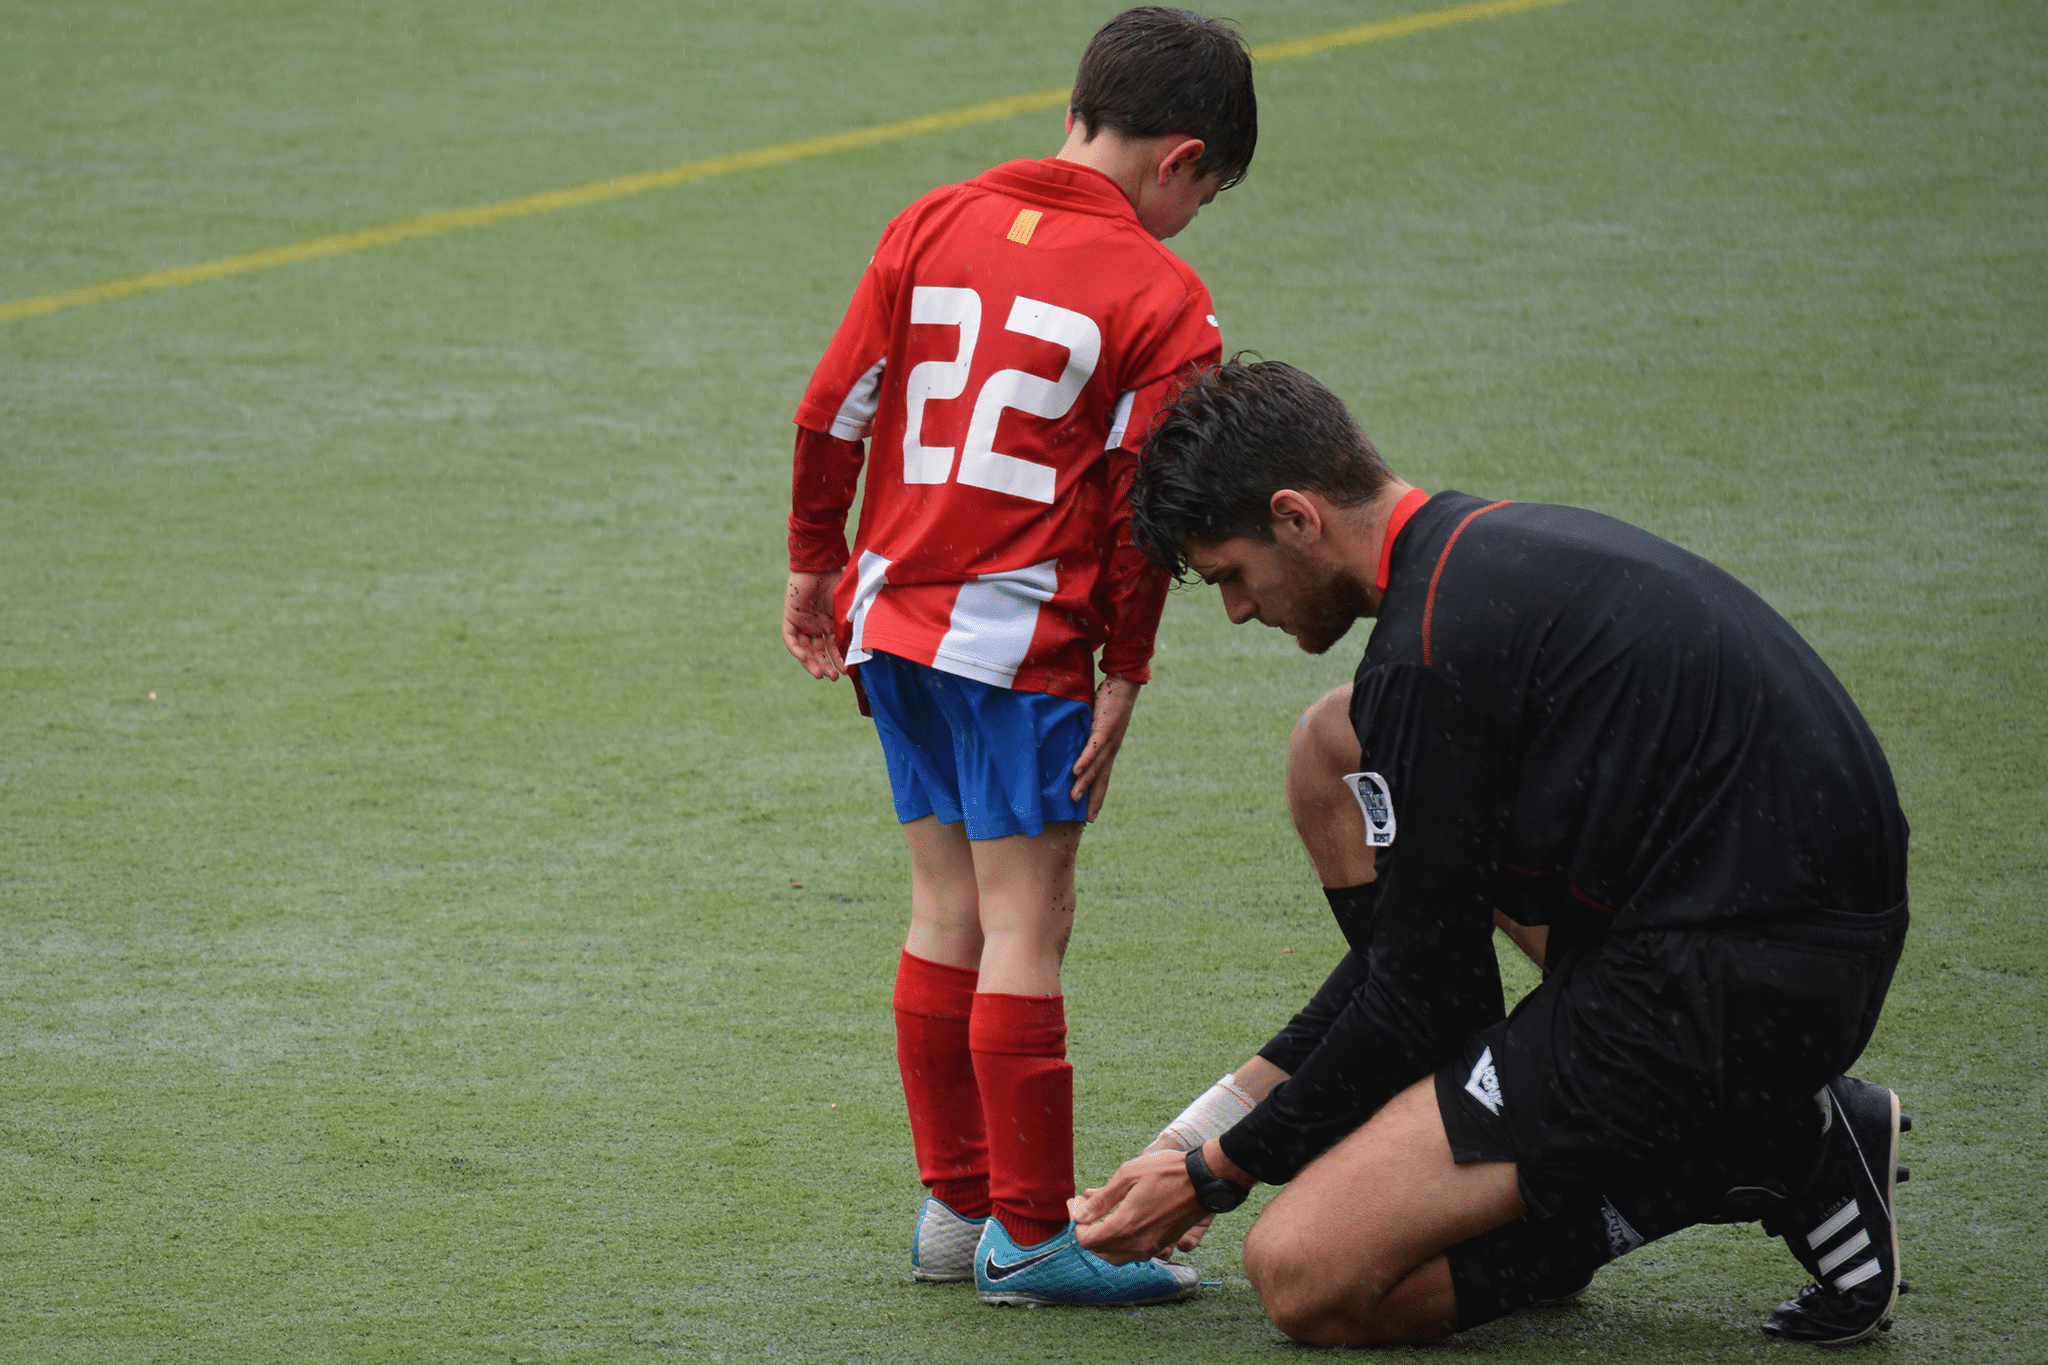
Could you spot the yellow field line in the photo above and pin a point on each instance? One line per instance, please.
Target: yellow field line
(596, 191)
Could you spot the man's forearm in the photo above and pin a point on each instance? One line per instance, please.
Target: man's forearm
(1298, 1039)
(1431, 983)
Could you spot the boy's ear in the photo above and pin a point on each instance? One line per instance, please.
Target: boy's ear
(1185, 153)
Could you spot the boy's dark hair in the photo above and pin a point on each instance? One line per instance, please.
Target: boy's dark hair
(1235, 436)
(1153, 70)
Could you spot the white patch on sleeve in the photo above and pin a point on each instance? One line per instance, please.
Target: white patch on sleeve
(1377, 804)
(857, 413)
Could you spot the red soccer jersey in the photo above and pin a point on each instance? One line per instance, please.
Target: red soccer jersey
(1005, 352)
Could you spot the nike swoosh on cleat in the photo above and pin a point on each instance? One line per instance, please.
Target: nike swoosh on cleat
(1003, 1272)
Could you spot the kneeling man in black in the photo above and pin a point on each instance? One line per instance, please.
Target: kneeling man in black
(1598, 732)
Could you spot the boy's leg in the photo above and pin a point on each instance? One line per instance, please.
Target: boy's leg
(945, 903)
(934, 1003)
(1026, 893)
(1352, 1252)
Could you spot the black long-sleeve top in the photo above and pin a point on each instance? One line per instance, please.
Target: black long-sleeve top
(1566, 708)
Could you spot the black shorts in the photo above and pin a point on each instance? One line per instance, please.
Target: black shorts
(1671, 1054)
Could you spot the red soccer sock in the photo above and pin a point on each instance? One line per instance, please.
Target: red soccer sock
(1027, 1096)
(933, 1005)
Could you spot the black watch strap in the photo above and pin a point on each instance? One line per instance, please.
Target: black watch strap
(1212, 1191)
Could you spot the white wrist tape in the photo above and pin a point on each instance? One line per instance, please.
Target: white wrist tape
(1214, 1113)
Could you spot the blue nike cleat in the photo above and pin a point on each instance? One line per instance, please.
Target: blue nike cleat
(942, 1248)
(1060, 1270)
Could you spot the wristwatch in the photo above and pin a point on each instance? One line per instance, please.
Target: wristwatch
(1212, 1191)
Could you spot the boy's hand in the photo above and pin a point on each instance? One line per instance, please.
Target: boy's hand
(1113, 703)
(807, 625)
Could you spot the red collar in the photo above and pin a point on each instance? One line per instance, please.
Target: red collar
(1060, 184)
(1403, 510)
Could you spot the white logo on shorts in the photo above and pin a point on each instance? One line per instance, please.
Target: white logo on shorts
(1484, 1085)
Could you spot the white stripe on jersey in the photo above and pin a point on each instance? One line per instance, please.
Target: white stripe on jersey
(874, 573)
(994, 619)
(1120, 419)
(857, 413)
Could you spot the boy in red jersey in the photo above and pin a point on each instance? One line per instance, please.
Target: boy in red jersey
(1006, 351)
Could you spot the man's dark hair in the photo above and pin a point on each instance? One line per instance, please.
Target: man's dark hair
(1152, 71)
(1235, 436)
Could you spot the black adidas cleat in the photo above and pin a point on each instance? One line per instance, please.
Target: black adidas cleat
(1840, 1224)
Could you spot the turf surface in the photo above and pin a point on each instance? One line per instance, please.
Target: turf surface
(403, 790)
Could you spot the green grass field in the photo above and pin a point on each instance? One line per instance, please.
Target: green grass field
(403, 788)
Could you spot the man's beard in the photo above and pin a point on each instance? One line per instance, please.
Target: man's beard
(1327, 610)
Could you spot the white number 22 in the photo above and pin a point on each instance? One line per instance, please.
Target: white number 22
(981, 464)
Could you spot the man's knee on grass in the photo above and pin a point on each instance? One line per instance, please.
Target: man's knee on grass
(1284, 1269)
(1369, 1306)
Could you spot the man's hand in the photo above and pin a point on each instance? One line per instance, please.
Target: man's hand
(1192, 1238)
(1189, 1240)
(1144, 1210)
(807, 624)
(1209, 1116)
(1113, 703)
(1082, 1204)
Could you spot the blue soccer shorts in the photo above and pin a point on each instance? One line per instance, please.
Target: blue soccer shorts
(1001, 760)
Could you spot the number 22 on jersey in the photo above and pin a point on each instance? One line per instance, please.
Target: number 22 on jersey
(981, 464)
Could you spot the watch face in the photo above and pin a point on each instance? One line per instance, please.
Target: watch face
(1212, 1191)
(1218, 1195)
(1223, 1198)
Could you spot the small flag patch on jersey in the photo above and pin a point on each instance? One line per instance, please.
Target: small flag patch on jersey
(1026, 224)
